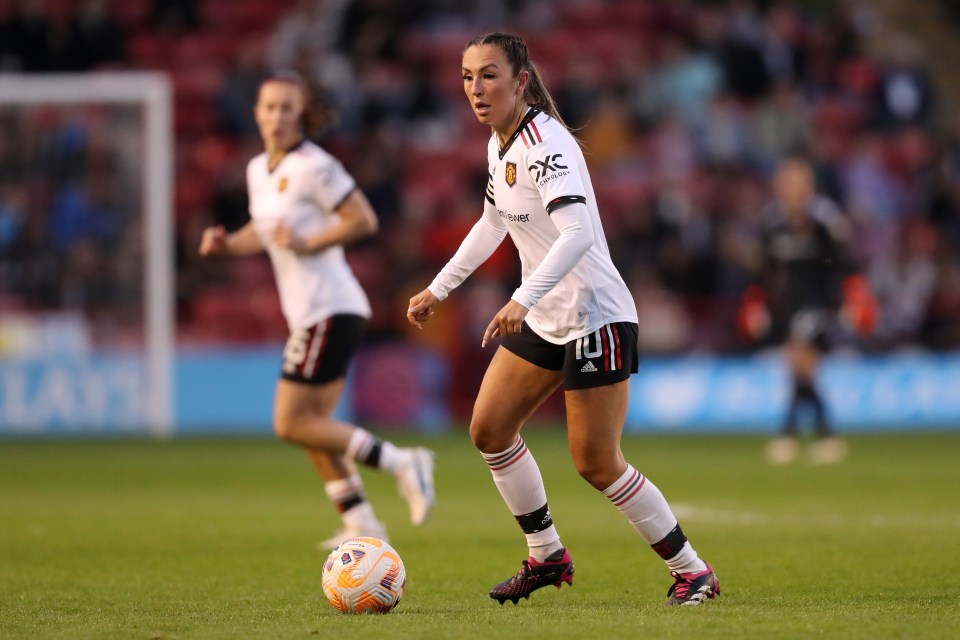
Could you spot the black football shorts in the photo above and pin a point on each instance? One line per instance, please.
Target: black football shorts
(604, 357)
(322, 353)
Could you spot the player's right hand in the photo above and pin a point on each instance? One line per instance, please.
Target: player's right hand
(214, 241)
(421, 308)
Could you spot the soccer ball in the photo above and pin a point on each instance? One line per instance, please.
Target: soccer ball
(364, 575)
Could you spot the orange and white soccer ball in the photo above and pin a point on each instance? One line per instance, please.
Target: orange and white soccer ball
(364, 575)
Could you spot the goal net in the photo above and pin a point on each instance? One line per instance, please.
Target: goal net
(86, 254)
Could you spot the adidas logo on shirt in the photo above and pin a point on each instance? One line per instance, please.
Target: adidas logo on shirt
(588, 368)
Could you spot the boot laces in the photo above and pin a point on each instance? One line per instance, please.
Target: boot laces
(681, 587)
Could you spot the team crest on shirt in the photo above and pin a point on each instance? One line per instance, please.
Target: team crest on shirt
(511, 174)
(283, 185)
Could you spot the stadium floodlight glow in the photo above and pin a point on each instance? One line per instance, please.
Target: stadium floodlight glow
(152, 93)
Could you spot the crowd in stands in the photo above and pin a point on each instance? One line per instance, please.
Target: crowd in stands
(683, 108)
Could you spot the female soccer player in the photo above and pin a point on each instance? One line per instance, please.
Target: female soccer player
(304, 208)
(572, 322)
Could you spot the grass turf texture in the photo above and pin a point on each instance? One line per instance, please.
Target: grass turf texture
(215, 539)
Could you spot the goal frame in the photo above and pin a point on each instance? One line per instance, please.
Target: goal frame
(153, 92)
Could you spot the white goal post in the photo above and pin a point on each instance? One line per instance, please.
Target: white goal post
(152, 93)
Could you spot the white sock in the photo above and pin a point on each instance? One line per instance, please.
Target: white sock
(647, 510)
(686, 561)
(517, 476)
(360, 518)
(341, 490)
(367, 449)
(348, 496)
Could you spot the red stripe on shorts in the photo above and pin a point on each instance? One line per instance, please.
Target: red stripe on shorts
(606, 348)
(616, 336)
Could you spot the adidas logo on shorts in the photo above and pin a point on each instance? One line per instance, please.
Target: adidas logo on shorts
(588, 368)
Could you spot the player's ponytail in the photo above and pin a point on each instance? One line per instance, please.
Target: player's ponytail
(518, 56)
(318, 114)
(538, 95)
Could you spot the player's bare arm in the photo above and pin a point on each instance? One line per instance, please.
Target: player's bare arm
(357, 221)
(216, 241)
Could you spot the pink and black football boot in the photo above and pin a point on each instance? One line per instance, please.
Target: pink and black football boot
(555, 570)
(691, 589)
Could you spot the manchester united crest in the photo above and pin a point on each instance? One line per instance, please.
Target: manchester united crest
(511, 174)
(283, 185)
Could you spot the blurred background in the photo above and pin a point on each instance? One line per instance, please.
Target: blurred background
(683, 107)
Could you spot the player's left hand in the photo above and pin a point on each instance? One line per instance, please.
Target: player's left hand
(506, 323)
(284, 238)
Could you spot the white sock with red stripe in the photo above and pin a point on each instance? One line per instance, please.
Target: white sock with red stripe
(647, 510)
(347, 494)
(517, 476)
(366, 448)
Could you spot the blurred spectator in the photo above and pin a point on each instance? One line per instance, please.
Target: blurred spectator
(683, 84)
(56, 37)
(872, 197)
(230, 202)
(779, 126)
(610, 136)
(32, 33)
(100, 38)
(307, 32)
(732, 36)
(12, 212)
(664, 324)
(578, 93)
(904, 283)
(371, 30)
(725, 133)
(10, 35)
(378, 173)
(306, 38)
(239, 90)
(781, 44)
(941, 329)
(175, 15)
(904, 95)
(80, 214)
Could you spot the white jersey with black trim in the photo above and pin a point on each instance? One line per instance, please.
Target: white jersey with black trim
(539, 172)
(303, 192)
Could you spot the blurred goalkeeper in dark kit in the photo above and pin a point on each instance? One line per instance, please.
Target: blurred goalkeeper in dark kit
(806, 283)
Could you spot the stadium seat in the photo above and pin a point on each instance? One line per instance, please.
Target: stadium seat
(131, 14)
(148, 50)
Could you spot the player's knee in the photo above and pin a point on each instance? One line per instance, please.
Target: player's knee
(592, 474)
(288, 426)
(479, 435)
(283, 428)
(488, 439)
(598, 471)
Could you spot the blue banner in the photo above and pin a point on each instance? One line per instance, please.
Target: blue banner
(892, 393)
(402, 386)
(391, 386)
(66, 395)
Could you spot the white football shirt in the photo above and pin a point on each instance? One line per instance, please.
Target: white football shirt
(303, 193)
(539, 191)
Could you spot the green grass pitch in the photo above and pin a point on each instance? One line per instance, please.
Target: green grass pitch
(216, 539)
